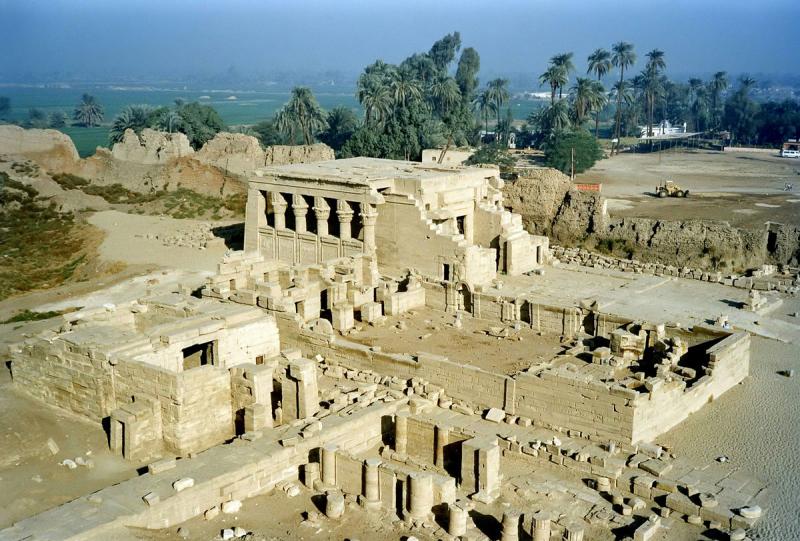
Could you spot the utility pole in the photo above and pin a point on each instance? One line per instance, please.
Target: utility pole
(572, 160)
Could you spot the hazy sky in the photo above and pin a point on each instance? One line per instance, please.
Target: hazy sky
(182, 37)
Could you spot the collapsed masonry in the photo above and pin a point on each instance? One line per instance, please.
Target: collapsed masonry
(565, 445)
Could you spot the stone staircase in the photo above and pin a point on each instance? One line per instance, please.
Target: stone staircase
(457, 238)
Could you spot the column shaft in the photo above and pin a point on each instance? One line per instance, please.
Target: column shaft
(322, 211)
(279, 206)
(369, 217)
(401, 433)
(371, 480)
(300, 209)
(329, 465)
(345, 214)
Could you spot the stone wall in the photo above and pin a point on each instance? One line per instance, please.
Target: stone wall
(667, 405)
(202, 416)
(195, 404)
(66, 376)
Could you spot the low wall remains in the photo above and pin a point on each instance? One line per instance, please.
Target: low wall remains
(773, 151)
(554, 398)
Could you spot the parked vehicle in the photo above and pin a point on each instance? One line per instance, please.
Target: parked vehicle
(669, 188)
(786, 153)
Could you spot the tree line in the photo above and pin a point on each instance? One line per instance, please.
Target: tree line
(433, 99)
(714, 107)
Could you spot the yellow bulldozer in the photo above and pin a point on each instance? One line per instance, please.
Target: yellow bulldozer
(667, 188)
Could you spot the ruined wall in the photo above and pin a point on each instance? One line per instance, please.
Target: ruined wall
(266, 466)
(783, 243)
(405, 240)
(667, 405)
(551, 206)
(571, 400)
(65, 376)
(201, 416)
(151, 147)
(154, 160)
(51, 149)
(689, 242)
(461, 381)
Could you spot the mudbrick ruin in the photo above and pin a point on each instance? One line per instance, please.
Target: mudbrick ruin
(268, 377)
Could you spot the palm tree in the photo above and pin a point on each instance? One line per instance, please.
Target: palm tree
(599, 64)
(132, 117)
(403, 87)
(485, 106)
(653, 84)
(169, 121)
(597, 99)
(88, 112)
(498, 91)
(717, 85)
(555, 117)
(695, 93)
(622, 92)
(582, 94)
(746, 84)
(373, 92)
(285, 125)
(555, 77)
(623, 56)
(304, 112)
(563, 63)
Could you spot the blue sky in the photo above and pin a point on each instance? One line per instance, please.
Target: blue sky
(141, 37)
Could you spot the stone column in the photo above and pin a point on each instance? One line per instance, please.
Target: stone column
(372, 493)
(457, 520)
(334, 504)
(401, 433)
(310, 474)
(329, 464)
(442, 439)
(279, 207)
(421, 495)
(300, 209)
(299, 390)
(510, 526)
(540, 526)
(574, 532)
(322, 211)
(369, 217)
(345, 214)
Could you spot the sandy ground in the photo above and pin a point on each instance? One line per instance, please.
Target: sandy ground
(756, 426)
(744, 189)
(31, 479)
(127, 240)
(149, 264)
